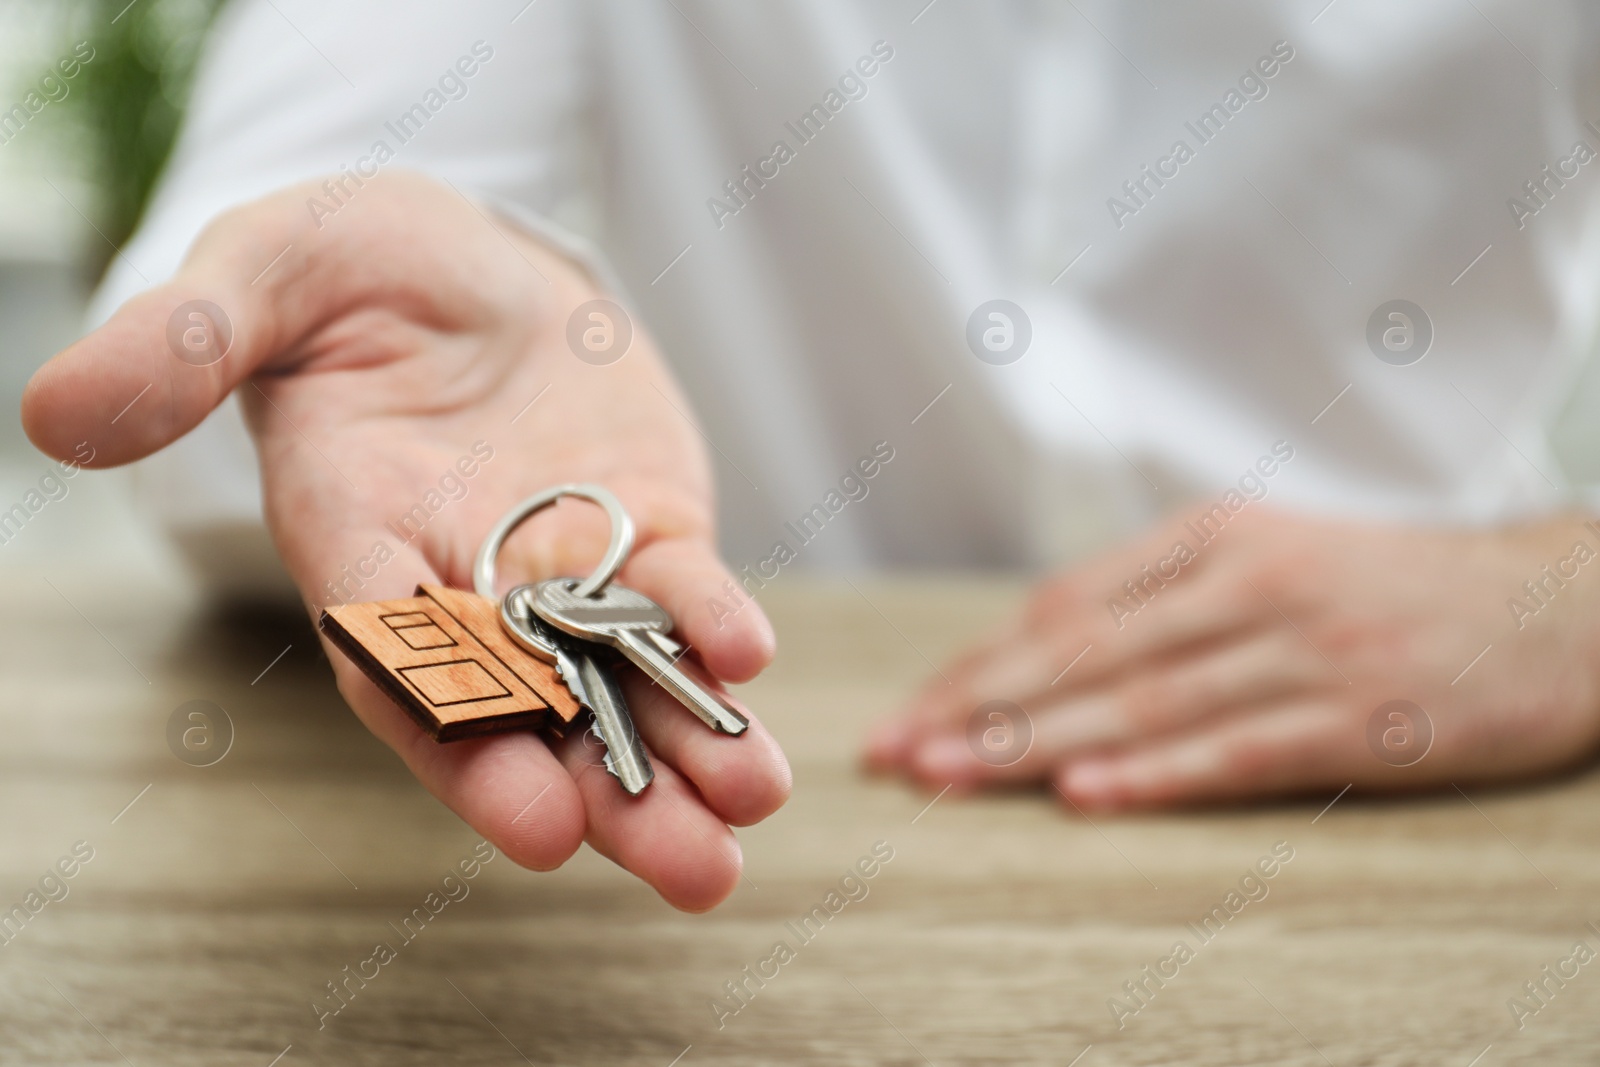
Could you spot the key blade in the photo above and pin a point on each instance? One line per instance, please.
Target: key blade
(625, 755)
(666, 644)
(568, 668)
(611, 769)
(543, 640)
(710, 707)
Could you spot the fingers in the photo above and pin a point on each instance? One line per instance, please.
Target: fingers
(538, 806)
(1161, 699)
(714, 616)
(1090, 584)
(1171, 621)
(741, 779)
(510, 787)
(1293, 748)
(675, 834)
(666, 835)
(1012, 661)
(1086, 650)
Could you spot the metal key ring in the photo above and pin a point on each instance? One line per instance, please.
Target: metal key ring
(616, 552)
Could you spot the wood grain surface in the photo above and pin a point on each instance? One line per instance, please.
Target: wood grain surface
(445, 658)
(221, 900)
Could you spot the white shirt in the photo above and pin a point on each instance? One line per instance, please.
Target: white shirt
(1181, 327)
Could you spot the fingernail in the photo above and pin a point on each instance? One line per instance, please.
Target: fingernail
(944, 757)
(1094, 782)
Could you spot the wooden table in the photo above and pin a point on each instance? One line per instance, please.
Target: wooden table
(220, 900)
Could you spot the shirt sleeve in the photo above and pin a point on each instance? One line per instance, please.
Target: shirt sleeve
(489, 95)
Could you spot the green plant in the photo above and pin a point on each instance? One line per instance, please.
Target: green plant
(131, 98)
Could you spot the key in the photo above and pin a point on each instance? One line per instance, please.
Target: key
(582, 666)
(627, 620)
(539, 645)
(665, 643)
(585, 670)
(625, 755)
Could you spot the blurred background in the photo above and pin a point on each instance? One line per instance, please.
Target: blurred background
(73, 181)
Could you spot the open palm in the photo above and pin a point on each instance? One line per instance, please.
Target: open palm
(406, 373)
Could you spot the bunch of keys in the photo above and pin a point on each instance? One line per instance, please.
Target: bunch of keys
(442, 657)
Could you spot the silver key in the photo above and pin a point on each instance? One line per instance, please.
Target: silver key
(665, 643)
(625, 756)
(627, 620)
(585, 671)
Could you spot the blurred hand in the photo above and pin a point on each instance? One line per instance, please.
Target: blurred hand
(369, 359)
(1255, 671)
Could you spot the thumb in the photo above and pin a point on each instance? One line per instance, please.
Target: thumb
(168, 356)
(257, 285)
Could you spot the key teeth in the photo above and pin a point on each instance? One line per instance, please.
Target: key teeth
(612, 768)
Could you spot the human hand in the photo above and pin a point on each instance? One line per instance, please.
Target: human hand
(1256, 669)
(371, 358)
